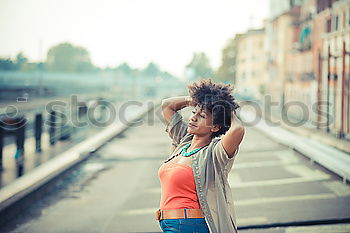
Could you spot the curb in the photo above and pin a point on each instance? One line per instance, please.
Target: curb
(52, 169)
(296, 224)
(329, 157)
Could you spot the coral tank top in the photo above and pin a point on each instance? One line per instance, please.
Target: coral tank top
(178, 187)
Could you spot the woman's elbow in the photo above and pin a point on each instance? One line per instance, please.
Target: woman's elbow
(237, 132)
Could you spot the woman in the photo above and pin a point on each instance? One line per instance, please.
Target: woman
(196, 196)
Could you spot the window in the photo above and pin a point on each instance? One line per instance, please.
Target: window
(305, 38)
(323, 5)
(329, 3)
(328, 25)
(336, 23)
(320, 5)
(311, 76)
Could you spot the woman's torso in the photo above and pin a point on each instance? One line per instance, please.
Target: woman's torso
(178, 186)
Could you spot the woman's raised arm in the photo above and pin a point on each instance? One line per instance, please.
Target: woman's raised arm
(234, 136)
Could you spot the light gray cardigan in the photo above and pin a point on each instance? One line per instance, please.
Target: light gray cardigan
(210, 167)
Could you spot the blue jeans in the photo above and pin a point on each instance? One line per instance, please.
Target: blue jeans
(189, 225)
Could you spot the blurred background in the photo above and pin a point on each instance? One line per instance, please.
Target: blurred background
(291, 51)
(65, 64)
(108, 44)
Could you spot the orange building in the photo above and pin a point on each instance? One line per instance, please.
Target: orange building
(335, 69)
(309, 63)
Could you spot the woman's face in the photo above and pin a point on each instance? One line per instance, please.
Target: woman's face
(201, 122)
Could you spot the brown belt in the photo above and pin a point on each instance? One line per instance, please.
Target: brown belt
(179, 213)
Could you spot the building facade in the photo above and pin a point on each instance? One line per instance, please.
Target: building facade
(251, 66)
(335, 85)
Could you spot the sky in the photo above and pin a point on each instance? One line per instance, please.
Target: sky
(134, 31)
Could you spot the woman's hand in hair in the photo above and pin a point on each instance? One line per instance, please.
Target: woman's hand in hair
(173, 104)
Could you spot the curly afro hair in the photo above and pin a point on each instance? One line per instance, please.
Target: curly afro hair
(215, 98)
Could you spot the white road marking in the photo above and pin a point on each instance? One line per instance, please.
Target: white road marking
(282, 157)
(234, 177)
(141, 211)
(262, 164)
(338, 188)
(251, 221)
(153, 190)
(266, 200)
(304, 174)
(276, 182)
(303, 171)
(337, 228)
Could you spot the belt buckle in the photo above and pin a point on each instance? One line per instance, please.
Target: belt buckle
(158, 214)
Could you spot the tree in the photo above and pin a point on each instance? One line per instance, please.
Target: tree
(7, 64)
(226, 71)
(199, 67)
(126, 71)
(152, 70)
(65, 57)
(167, 75)
(21, 61)
(124, 68)
(18, 64)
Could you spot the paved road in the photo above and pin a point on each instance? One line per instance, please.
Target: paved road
(118, 190)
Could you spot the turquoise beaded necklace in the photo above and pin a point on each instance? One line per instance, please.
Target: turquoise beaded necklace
(188, 154)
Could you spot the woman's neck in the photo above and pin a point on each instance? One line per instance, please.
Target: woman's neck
(198, 142)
